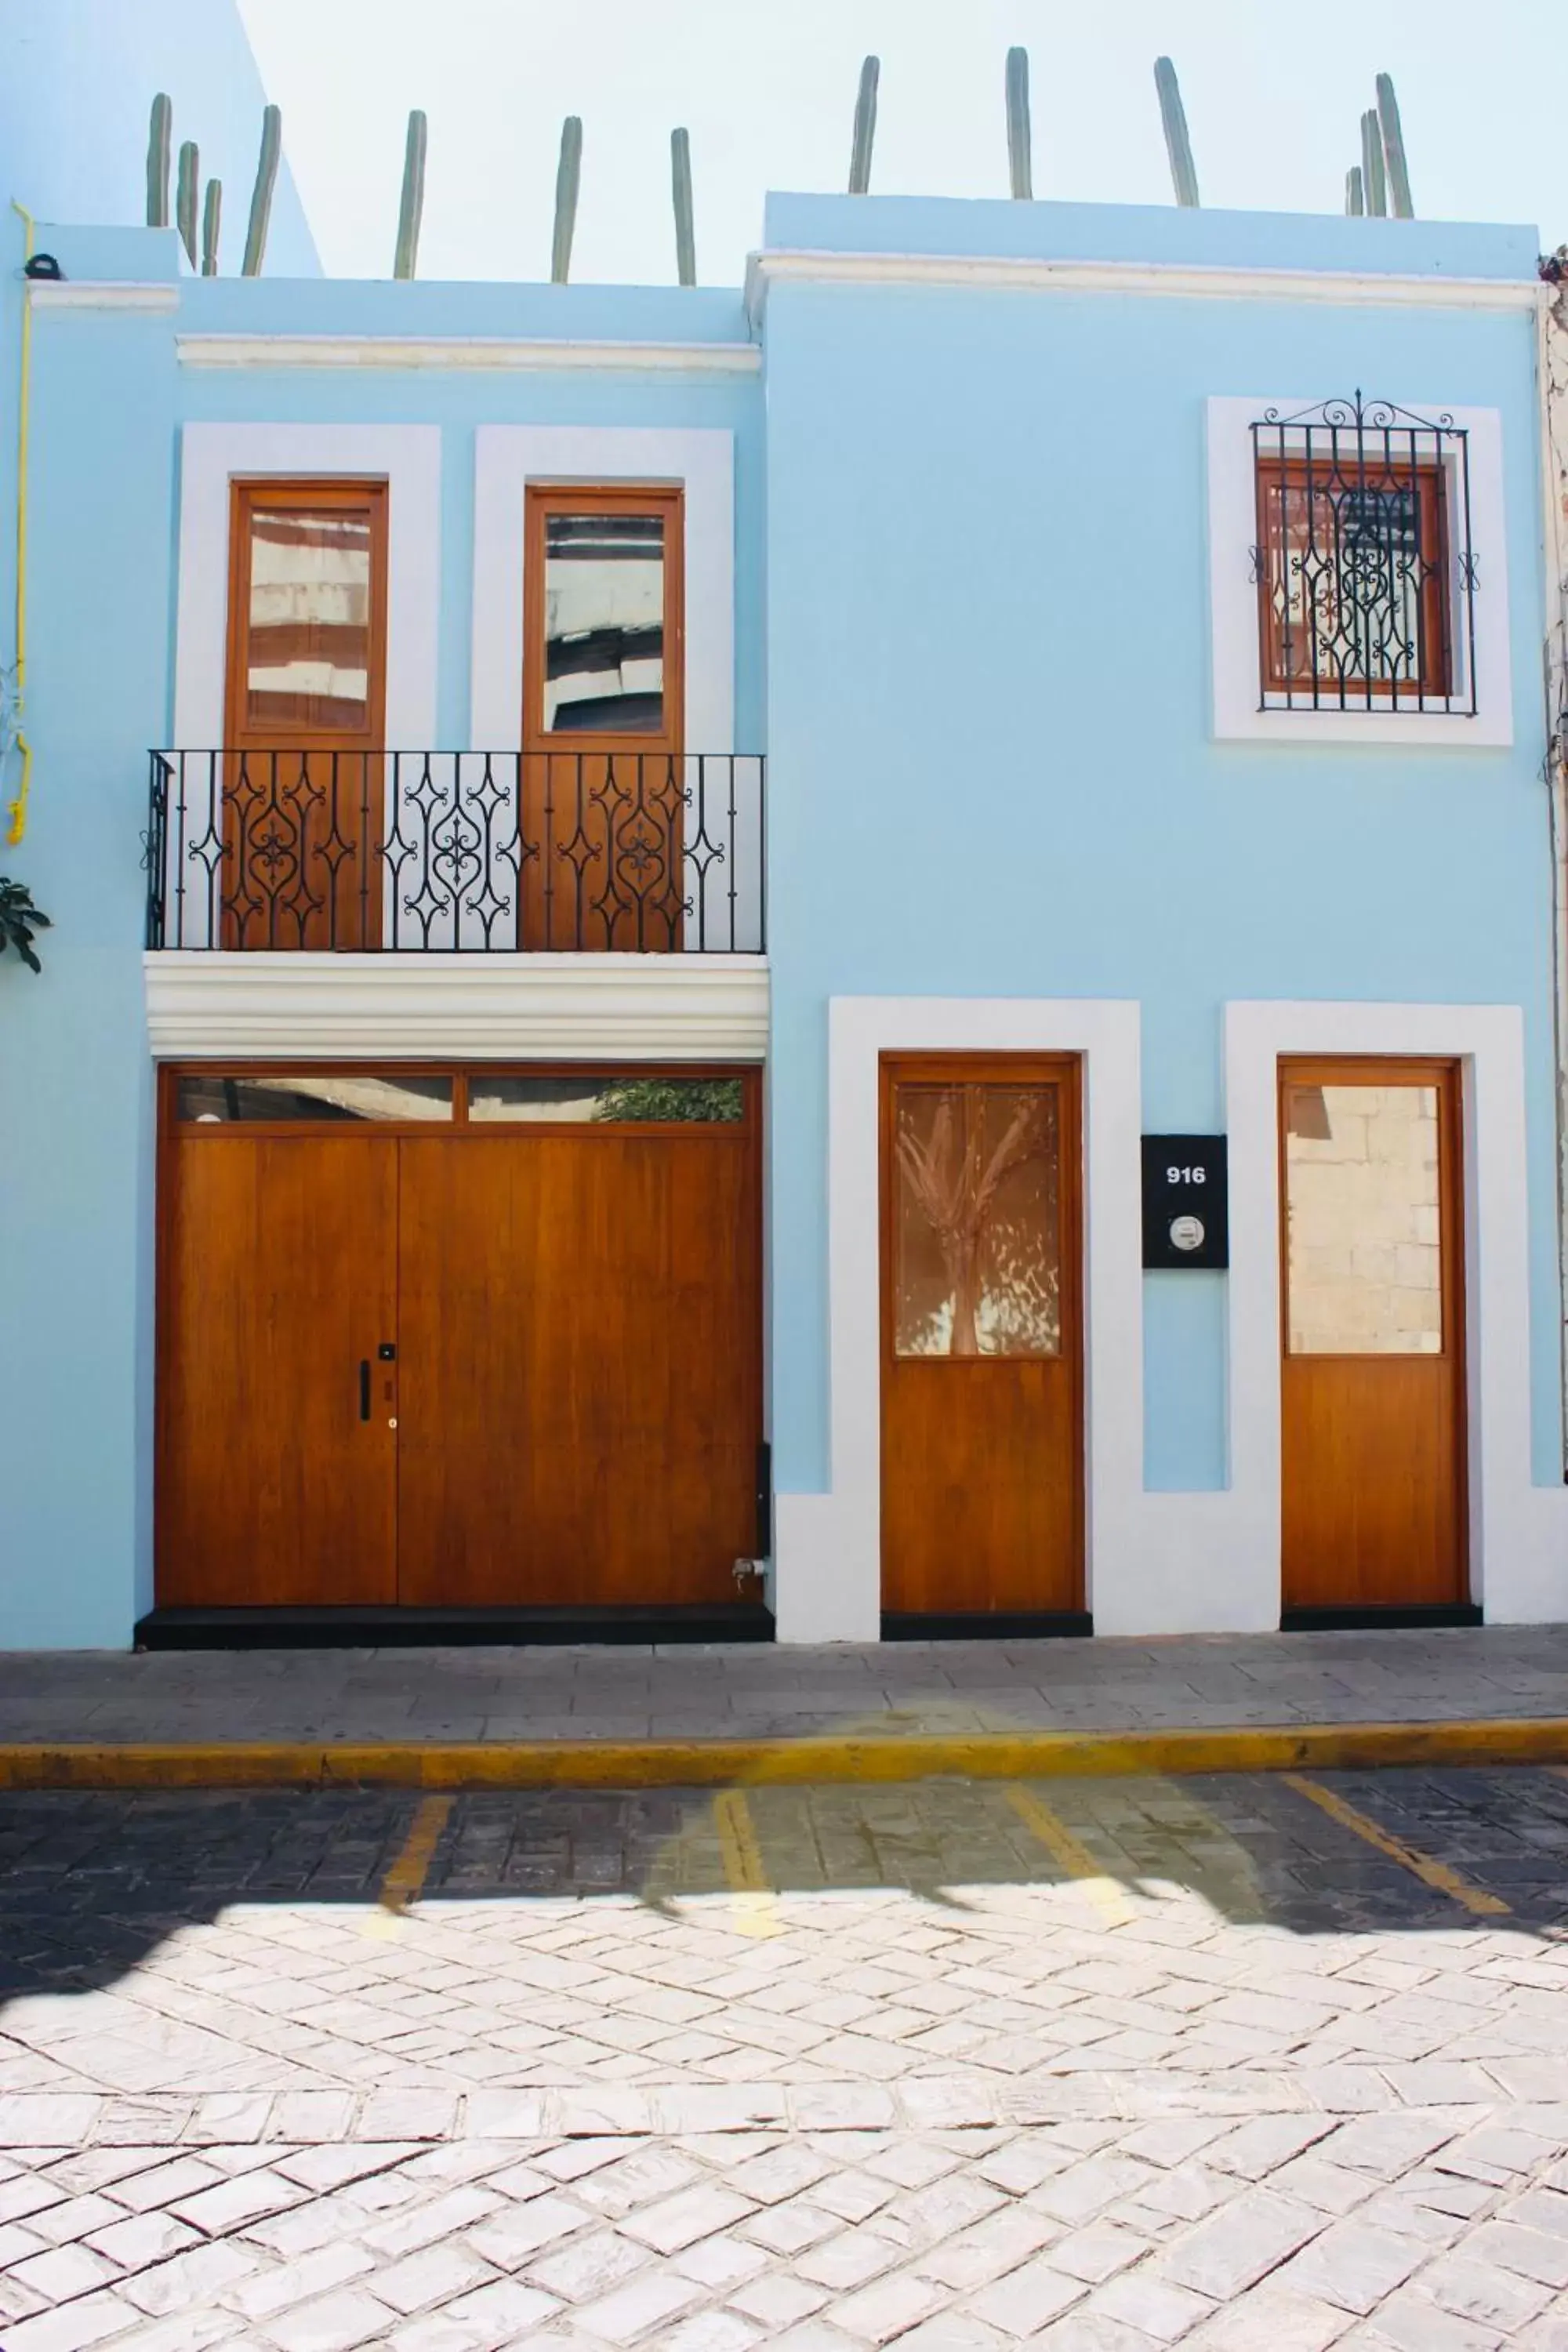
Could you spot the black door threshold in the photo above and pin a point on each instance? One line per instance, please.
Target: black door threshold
(403, 1629)
(987, 1624)
(1430, 1614)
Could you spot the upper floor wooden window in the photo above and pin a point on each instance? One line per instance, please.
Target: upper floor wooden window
(1361, 561)
(307, 612)
(604, 609)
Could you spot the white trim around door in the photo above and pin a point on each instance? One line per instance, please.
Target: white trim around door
(1518, 1531)
(827, 1581)
(1200, 1561)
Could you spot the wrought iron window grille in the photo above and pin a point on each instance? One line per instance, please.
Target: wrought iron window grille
(1365, 572)
(456, 852)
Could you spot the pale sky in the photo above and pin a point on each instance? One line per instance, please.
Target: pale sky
(767, 88)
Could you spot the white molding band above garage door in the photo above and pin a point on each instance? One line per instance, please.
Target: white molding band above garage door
(387, 1008)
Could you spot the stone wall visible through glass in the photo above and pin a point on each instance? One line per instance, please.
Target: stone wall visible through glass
(976, 1221)
(1363, 1211)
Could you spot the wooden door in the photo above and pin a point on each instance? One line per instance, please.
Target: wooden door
(580, 1294)
(303, 788)
(604, 785)
(982, 1413)
(1373, 1380)
(278, 1464)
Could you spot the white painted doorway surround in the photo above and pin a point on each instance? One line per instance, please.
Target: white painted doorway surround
(1197, 1562)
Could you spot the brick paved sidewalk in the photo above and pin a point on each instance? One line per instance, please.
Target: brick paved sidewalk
(749, 1690)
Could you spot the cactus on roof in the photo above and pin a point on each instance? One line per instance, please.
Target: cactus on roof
(1393, 148)
(1020, 143)
(261, 195)
(159, 135)
(568, 177)
(411, 207)
(864, 131)
(1178, 146)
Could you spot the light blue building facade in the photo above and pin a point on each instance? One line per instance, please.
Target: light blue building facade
(1022, 543)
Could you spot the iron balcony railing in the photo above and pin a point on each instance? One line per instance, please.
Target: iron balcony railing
(467, 852)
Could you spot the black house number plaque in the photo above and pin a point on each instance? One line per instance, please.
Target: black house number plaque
(1185, 1216)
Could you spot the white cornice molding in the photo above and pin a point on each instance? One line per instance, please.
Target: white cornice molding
(102, 294)
(486, 353)
(994, 272)
(679, 1008)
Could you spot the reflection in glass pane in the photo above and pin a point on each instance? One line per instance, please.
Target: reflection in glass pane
(608, 1101)
(603, 623)
(1363, 1213)
(308, 649)
(330, 1095)
(976, 1221)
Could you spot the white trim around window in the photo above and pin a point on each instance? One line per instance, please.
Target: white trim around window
(1233, 597)
(408, 458)
(507, 458)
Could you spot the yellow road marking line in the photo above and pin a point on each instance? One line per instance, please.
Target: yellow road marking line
(407, 1875)
(1422, 1866)
(1073, 1856)
(755, 1913)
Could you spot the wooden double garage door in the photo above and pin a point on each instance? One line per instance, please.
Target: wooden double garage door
(452, 1338)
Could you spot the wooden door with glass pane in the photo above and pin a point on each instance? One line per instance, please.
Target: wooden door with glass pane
(604, 785)
(1373, 1380)
(981, 1337)
(302, 775)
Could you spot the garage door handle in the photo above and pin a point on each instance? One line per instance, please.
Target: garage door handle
(365, 1388)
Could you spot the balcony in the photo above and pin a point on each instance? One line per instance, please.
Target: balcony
(484, 853)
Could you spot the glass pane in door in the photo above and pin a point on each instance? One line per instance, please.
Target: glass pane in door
(976, 1221)
(306, 660)
(1363, 1213)
(603, 623)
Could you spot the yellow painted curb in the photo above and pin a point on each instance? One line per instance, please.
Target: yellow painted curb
(713, 1763)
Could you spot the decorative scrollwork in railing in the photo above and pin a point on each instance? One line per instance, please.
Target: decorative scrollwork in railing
(456, 852)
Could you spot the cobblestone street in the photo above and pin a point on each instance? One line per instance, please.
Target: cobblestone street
(1272, 2062)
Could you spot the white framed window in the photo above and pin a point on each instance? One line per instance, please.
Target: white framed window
(1358, 572)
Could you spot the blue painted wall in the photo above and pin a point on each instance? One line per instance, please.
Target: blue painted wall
(76, 1079)
(975, 644)
(990, 766)
(77, 78)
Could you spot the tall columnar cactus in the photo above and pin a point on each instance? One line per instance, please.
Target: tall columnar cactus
(212, 226)
(1178, 146)
(261, 195)
(1372, 181)
(1394, 149)
(411, 209)
(568, 177)
(680, 196)
(185, 192)
(159, 135)
(1356, 196)
(1020, 145)
(865, 132)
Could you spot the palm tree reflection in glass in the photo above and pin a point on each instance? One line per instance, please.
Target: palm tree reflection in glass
(978, 1261)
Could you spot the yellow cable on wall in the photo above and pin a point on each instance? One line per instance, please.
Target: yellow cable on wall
(18, 807)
